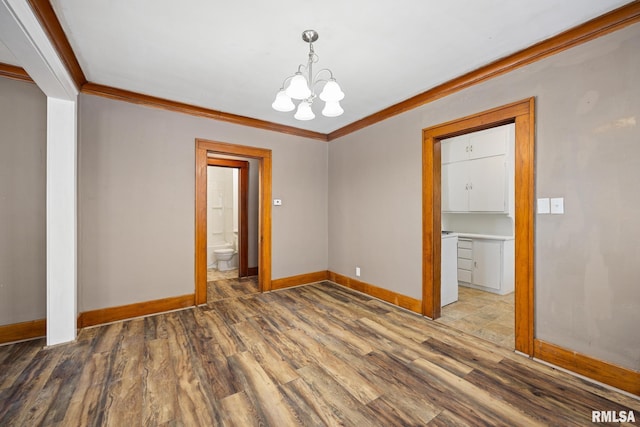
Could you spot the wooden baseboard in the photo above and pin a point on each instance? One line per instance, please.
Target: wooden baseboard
(252, 271)
(112, 314)
(301, 279)
(400, 300)
(604, 372)
(23, 331)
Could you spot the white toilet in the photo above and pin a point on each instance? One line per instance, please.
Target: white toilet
(223, 256)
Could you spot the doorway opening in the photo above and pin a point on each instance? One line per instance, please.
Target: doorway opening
(228, 216)
(523, 115)
(205, 156)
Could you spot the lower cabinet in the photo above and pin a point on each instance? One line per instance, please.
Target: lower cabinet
(486, 264)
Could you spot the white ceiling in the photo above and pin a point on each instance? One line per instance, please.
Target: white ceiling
(233, 56)
(6, 56)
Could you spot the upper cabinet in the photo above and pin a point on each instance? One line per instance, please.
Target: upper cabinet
(476, 145)
(476, 171)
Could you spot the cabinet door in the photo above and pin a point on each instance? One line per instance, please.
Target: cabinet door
(455, 197)
(465, 263)
(454, 149)
(464, 275)
(488, 184)
(487, 263)
(490, 142)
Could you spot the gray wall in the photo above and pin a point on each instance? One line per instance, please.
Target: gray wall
(588, 106)
(136, 197)
(136, 201)
(23, 132)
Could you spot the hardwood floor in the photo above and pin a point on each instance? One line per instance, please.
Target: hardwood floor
(222, 285)
(313, 355)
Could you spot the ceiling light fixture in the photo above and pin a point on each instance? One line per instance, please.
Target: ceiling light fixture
(302, 87)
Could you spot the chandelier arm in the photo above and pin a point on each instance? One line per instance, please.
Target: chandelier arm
(316, 80)
(284, 82)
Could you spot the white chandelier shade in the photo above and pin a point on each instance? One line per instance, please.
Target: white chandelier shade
(301, 87)
(304, 111)
(298, 87)
(332, 109)
(283, 102)
(332, 92)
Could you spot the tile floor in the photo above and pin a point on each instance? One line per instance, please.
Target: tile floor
(482, 314)
(214, 274)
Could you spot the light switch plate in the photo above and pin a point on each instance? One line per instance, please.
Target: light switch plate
(557, 205)
(543, 206)
(277, 202)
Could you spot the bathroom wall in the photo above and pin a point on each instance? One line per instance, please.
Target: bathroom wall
(588, 104)
(136, 198)
(23, 132)
(222, 209)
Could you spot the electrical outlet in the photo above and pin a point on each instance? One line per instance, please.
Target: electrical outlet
(357, 271)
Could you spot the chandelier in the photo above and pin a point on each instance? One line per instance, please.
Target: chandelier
(303, 87)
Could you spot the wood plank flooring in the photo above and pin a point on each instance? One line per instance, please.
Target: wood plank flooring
(313, 355)
(223, 288)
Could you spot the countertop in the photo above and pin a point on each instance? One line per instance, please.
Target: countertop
(477, 236)
(449, 235)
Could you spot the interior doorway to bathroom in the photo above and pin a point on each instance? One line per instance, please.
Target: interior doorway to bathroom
(227, 217)
(206, 149)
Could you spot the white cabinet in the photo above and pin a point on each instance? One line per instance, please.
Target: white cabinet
(475, 145)
(486, 264)
(454, 149)
(487, 258)
(478, 185)
(448, 270)
(465, 260)
(455, 185)
(488, 184)
(475, 171)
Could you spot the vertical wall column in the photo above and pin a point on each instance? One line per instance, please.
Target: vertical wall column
(61, 220)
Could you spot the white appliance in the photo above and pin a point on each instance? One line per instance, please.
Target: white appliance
(449, 269)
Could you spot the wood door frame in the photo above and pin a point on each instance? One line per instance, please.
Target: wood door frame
(521, 113)
(203, 149)
(243, 216)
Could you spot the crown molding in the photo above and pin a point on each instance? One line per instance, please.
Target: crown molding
(613, 21)
(24, 35)
(597, 27)
(165, 104)
(15, 73)
(51, 25)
